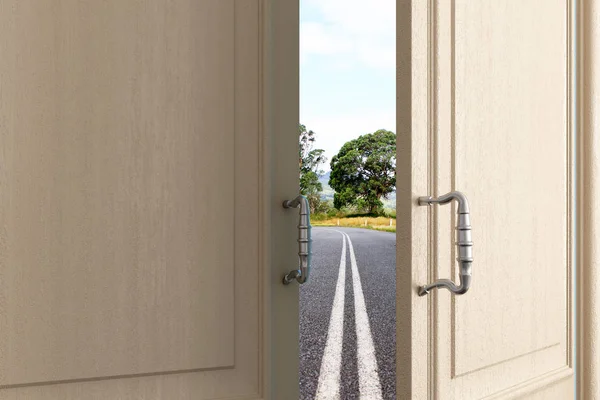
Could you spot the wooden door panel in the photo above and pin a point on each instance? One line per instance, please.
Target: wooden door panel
(500, 131)
(513, 159)
(130, 200)
(105, 199)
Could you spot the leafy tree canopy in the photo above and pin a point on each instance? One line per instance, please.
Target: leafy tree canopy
(364, 171)
(310, 160)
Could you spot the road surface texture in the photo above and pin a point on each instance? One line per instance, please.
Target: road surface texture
(348, 317)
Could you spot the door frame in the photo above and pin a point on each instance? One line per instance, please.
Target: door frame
(413, 63)
(588, 251)
(280, 113)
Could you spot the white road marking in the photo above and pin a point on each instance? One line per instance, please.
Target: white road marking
(329, 376)
(368, 375)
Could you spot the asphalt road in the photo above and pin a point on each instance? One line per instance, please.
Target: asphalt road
(348, 325)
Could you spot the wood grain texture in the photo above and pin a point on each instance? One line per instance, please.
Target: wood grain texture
(512, 157)
(499, 128)
(557, 391)
(589, 274)
(411, 234)
(281, 75)
(132, 259)
(106, 200)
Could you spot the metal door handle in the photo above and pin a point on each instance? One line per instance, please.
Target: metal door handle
(464, 245)
(304, 241)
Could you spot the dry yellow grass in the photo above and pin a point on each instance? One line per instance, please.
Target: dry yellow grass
(378, 223)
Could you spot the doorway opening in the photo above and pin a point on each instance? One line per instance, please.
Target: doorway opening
(347, 163)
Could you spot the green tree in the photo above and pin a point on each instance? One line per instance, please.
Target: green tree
(364, 171)
(310, 160)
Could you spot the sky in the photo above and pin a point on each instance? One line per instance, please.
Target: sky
(347, 69)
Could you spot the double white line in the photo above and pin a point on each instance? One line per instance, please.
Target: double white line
(329, 376)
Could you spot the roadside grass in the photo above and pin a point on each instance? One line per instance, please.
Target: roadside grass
(366, 222)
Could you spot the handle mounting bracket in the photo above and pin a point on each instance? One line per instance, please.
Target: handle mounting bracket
(304, 241)
(464, 245)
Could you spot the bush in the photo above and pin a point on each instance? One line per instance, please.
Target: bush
(335, 213)
(318, 217)
(325, 210)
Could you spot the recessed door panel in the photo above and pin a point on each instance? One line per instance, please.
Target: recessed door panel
(133, 200)
(512, 156)
(495, 113)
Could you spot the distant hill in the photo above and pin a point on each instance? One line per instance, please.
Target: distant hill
(325, 178)
(328, 192)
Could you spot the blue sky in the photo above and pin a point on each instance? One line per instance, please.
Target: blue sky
(347, 69)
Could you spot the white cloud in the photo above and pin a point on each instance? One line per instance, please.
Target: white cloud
(335, 130)
(360, 32)
(348, 34)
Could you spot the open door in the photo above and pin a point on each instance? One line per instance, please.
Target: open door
(485, 108)
(137, 202)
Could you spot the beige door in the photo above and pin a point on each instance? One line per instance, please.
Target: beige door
(488, 113)
(135, 200)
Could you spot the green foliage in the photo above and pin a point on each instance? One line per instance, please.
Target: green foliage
(390, 212)
(307, 140)
(310, 160)
(325, 211)
(309, 183)
(363, 222)
(364, 172)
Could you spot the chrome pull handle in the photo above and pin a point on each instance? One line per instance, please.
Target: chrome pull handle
(464, 245)
(304, 241)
